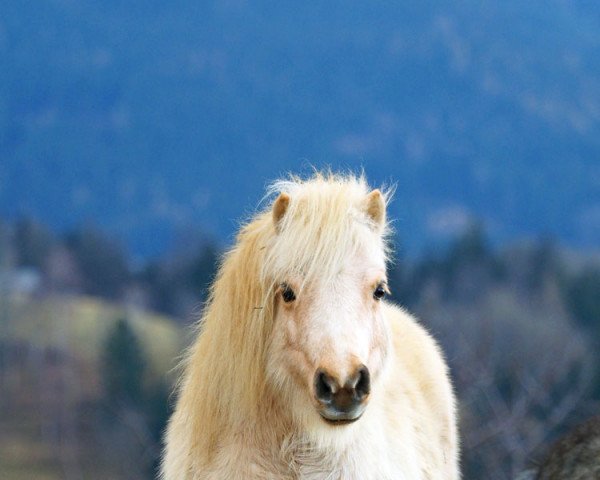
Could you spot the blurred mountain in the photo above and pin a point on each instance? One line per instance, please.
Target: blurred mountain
(148, 117)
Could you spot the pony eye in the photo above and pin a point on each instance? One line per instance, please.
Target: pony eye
(287, 294)
(379, 292)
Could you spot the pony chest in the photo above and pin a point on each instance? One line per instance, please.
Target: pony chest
(355, 464)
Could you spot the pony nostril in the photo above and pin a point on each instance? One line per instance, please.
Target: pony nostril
(324, 387)
(363, 384)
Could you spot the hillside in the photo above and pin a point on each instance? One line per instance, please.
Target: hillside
(79, 325)
(55, 421)
(151, 118)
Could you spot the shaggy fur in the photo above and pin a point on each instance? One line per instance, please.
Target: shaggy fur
(245, 408)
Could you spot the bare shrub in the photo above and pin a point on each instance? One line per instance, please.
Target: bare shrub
(521, 368)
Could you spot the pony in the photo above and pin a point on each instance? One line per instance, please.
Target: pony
(301, 368)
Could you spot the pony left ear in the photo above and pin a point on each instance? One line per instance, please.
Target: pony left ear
(280, 206)
(375, 209)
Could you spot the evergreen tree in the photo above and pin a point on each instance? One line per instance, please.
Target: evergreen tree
(123, 365)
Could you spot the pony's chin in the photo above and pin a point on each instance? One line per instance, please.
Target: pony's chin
(337, 422)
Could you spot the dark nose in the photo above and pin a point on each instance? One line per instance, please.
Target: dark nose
(342, 402)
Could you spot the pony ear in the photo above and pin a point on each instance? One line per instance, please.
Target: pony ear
(375, 209)
(280, 206)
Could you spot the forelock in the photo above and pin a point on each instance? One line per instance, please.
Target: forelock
(324, 224)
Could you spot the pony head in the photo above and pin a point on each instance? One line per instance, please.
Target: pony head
(326, 262)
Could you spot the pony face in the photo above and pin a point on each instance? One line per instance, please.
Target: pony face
(330, 338)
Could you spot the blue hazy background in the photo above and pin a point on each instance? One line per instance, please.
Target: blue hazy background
(135, 137)
(148, 117)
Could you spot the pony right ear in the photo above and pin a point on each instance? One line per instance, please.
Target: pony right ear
(280, 206)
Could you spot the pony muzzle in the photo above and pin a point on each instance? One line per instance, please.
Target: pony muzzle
(338, 403)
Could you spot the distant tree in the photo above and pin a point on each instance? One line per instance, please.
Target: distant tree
(404, 284)
(156, 279)
(138, 412)
(32, 242)
(123, 366)
(202, 269)
(466, 269)
(583, 301)
(101, 262)
(158, 409)
(470, 247)
(544, 264)
(532, 269)
(178, 285)
(583, 297)
(6, 247)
